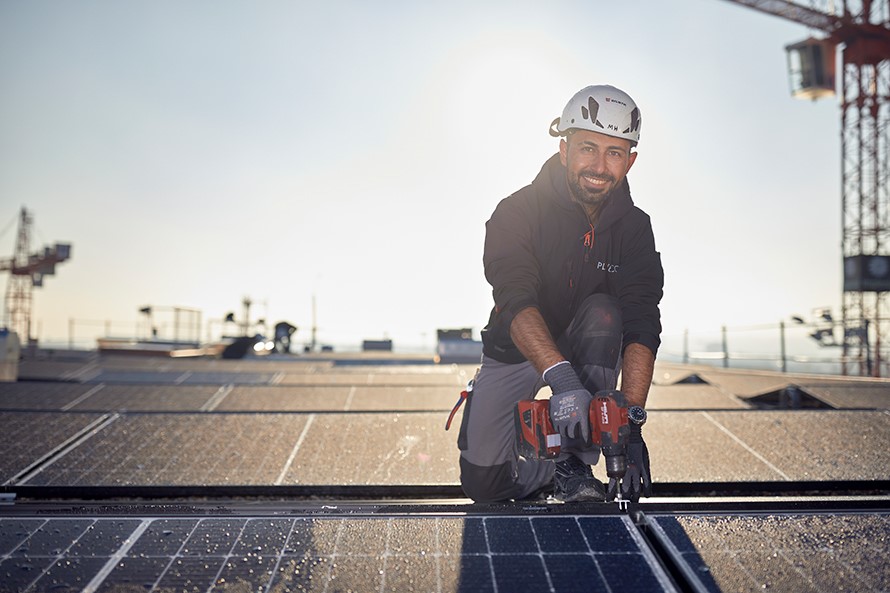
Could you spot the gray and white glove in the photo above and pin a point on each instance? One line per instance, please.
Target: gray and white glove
(569, 405)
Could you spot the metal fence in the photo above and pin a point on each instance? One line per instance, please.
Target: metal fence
(795, 347)
(173, 324)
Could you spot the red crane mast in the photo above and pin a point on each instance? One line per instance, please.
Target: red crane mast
(27, 271)
(861, 29)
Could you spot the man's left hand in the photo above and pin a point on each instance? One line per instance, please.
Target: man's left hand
(637, 480)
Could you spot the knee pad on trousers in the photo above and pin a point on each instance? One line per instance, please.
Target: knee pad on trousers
(595, 336)
(487, 484)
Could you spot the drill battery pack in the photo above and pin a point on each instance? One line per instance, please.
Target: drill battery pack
(535, 437)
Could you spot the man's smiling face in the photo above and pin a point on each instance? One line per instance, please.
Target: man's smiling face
(595, 165)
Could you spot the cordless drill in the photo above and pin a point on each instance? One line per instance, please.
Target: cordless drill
(610, 430)
(536, 438)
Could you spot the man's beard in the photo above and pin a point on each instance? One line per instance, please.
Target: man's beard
(591, 198)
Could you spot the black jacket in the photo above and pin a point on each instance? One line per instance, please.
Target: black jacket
(540, 251)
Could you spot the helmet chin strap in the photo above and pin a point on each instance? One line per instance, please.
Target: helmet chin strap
(553, 130)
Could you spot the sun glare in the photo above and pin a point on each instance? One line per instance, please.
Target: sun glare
(498, 83)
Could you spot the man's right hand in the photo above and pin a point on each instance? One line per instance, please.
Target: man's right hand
(569, 405)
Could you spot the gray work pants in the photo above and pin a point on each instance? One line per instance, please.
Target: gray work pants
(491, 468)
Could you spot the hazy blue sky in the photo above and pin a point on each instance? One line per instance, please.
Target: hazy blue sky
(198, 152)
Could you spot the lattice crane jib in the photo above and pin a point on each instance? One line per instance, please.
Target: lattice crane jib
(861, 29)
(27, 271)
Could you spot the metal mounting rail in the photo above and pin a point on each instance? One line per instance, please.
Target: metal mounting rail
(676, 490)
(429, 508)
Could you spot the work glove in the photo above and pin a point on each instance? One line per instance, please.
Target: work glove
(636, 481)
(569, 405)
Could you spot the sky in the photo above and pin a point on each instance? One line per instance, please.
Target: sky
(348, 154)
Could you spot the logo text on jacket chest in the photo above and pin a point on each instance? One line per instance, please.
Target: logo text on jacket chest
(607, 267)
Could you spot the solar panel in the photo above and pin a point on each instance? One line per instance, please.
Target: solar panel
(283, 398)
(224, 378)
(851, 445)
(241, 449)
(27, 437)
(565, 553)
(413, 397)
(781, 552)
(148, 398)
(177, 377)
(757, 446)
(175, 449)
(412, 447)
(384, 448)
(163, 547)
(372, 377)
(853, 396)
(691, 397)
(338, 398)
(40, 395)
(52, 370)
(137, 376)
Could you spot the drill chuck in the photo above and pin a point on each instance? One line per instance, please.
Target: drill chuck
(616, 463)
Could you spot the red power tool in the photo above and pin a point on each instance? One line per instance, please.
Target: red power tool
(610, 430)
(536, 438)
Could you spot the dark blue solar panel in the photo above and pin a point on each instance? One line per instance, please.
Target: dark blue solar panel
(475, 574)
(213, 537)
(474, 537)
(630, 570)
(70, 574)
(573, 572)
(53, 537)
(510, 535)
(103, 538)
(606, 534)
(14, 531)
(676, 533)
(263, 537)
(559, 534)
(134, 573)
(18, 573)
(164, 537)
(190, 574)
(520, 573)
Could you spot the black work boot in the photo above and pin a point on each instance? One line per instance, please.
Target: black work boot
(573, 481)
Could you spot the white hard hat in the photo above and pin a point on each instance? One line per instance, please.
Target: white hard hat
(603, 109)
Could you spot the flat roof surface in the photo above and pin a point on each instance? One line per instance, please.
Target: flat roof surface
(271, 474)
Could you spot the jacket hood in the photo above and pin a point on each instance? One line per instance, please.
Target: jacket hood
(551, 181)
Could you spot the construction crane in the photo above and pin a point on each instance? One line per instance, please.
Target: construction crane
(27, 271)
(861, 31)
